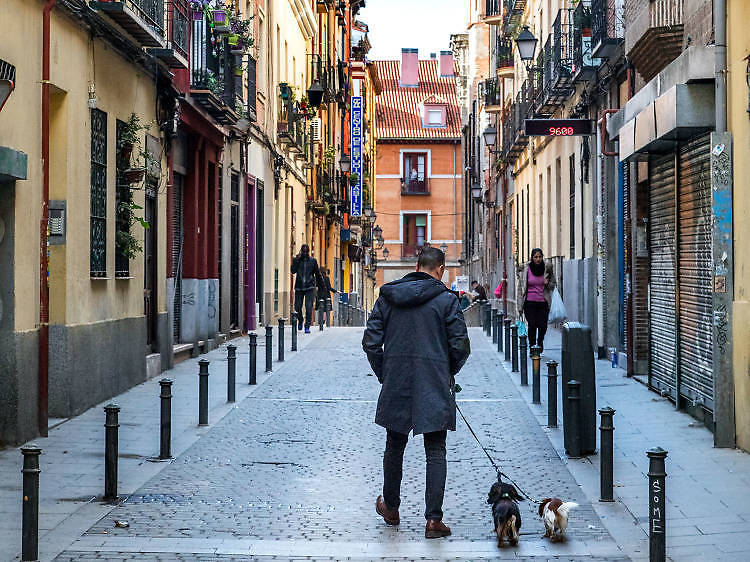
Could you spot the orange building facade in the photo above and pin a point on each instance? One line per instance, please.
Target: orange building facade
(419, 199)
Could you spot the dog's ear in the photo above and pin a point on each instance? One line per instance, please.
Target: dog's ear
(516, 496)
(544, 502)
(494, 494)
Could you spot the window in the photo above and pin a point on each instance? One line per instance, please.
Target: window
(123, 201)
(434, 115)
(415, 234)
(414, 181)
(98, 249)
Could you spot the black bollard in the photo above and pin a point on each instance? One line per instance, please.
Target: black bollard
(495, 320)
(487, 319)
(657, 506)
(165, 440)
(321, 313)
(281, 339)
(30, 517)
(294, 331)
(251, 379)
(111, 426)
(269, 348)
(574, 419)
(231, 372)
(551, 393)
(536, 375)
(523, 344)
(606, 455)
(500, 324)
(506, 323)
(203, 392)
(514, 348)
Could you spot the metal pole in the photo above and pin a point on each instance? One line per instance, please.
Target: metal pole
(165, 442)
(657, 507)
(551, 393)
(500, 336)
(507, 338)
(294, 331)
(111, 426)
(251, 379)
(536, 381)
(203, 392)
(231, 371)
(524, 358)
(514, 348)
(321, 313)
(495, 320)
(606, 455)
(281, 339)
(487, 319)
(574, 418)
(269, 348)
(30, 517)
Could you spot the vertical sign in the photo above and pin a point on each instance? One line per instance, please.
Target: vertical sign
(356, 190)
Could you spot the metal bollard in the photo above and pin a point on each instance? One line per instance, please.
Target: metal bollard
(487, 319)
(269, 348)
(574, 403)
(321, 313)
(251, 379)
(203, 392)
(30, 518)
(514, 348)
(231, 372)
(281, 339)
(506, 322)
(523, 344)
(294, 331)
(111, 426)
(606, 455)
(551, 393)
(536, 381)
(657, 506)
(165, 440)
(495, 320)
(500, 324)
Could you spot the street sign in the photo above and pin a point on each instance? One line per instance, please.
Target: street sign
(356, 190)
(558, 127)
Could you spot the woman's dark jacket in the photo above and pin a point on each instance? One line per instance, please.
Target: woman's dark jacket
(306, 269)
(416, 341)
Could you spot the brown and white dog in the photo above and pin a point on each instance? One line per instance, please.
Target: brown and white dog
(554, 513)
(505, 513)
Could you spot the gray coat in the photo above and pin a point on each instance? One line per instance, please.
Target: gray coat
(416, 341)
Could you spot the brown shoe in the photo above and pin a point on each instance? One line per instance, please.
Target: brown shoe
(390, 516)
(435, 529)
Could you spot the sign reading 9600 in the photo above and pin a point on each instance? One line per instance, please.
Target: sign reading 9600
(559, 127)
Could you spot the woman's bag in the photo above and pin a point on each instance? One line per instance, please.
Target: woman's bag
(557, 311)
(499, 290)
(522, 329)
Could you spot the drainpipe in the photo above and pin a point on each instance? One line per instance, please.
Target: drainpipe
(720, 63)
(43, 400)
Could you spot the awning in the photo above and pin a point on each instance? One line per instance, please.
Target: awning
(13, 165)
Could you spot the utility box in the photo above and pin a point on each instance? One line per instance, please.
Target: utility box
(578, 364)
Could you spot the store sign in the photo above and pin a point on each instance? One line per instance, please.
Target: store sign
(356, 157)
(559, 127)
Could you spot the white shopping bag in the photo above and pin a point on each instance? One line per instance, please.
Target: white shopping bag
(557, 312)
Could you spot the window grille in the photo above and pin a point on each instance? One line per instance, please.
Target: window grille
(98, 244)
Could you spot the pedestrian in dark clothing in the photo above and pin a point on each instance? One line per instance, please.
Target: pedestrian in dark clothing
(416, 341)
(536, 283)
(479, 290)
(325, 304)
(306, 269)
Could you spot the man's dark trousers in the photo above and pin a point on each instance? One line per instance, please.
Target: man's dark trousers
(393, 460)
(309, 296)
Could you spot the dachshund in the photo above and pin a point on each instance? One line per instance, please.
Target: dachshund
(554, 513)
(507, 518)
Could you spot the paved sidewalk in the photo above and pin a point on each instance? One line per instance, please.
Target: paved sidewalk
(72, 460)
(706, 488)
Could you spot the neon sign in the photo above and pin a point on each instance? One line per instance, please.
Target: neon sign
(558, 127)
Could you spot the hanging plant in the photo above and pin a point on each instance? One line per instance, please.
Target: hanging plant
(125, 241)
(329, 154)
(353, 179)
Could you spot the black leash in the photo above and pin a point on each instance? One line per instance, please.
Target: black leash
(500, 473)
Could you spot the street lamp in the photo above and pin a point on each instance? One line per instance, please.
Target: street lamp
(368, 212)
(377, 231)
(526, 43)
(386, 253)
(476, 192)
(346, 163)
(315, 93)
(444, 248)
(490, 136)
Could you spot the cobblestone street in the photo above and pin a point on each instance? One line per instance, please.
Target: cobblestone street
(293, 471)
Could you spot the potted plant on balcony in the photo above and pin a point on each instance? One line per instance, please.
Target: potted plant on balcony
(583, 19)
(128, 245)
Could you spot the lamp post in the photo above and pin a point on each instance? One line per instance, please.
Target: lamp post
(476, 192)
(315, 93)
(490, 136)
(386, 253)
(345, 163)
(444, 248)
(526, 43)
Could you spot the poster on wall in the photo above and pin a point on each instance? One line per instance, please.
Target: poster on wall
(356, 158)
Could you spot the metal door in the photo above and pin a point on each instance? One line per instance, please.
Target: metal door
(663, 276)
(695, 287)
(177, 240)
(150, 277)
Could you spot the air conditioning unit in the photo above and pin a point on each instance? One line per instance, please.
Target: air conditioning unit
(315, 129)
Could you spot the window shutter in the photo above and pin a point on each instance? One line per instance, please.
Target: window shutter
(252, 86)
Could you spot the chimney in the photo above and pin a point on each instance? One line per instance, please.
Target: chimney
(446, 64)
(409, 67)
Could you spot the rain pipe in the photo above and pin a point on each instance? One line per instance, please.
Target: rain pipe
(720, 63)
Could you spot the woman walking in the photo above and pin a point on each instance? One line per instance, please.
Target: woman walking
(535, 295)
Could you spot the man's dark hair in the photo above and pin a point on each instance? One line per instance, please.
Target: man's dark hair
(475, 282)
(305, 249)
(430, 259)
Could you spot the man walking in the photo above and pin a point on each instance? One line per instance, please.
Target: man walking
(308, 275)
(416, 341)
(325, 304)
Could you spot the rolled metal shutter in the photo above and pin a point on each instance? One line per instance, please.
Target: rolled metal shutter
(663, 274)
(696, 329)
(177, 257)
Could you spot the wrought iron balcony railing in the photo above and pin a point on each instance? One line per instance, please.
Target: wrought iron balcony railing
(584, 65)
(142, 19)
(178, 25)
(415, 186)
(607, 29)
(493, 11)
(491, 93)
(504, 53)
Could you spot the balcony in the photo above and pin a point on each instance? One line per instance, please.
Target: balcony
(415, 186)
(654, 39)
(291, 130)
(142, 19)
(557, 65)
(584, 65)
(410, 251)
(607, 30)
(504, 57)
(491, 92)
(492, 12)
(175, 52)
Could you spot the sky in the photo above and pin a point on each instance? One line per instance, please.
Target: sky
(423, 24)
